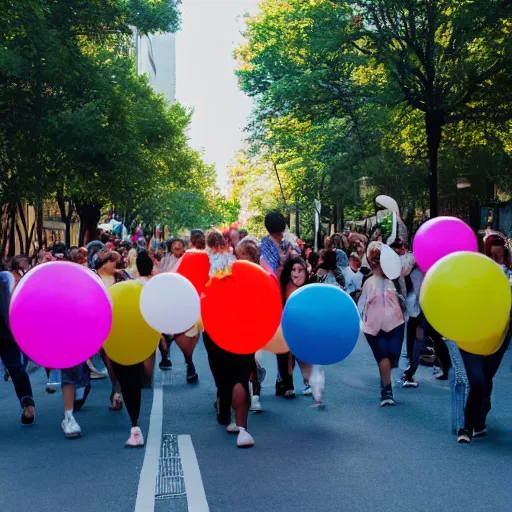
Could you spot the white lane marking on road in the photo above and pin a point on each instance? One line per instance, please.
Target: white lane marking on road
(196, 497)
(148, 474)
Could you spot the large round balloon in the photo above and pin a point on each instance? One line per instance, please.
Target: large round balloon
(320, 324)
(439, 237)
(486, 347)
(195, 266)
(170, 304)
(131, 339)
(60, 314)
(241, 312)
(277, 345)
(466, 297)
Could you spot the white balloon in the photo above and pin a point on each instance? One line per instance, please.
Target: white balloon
(170, 304)
(390, 262)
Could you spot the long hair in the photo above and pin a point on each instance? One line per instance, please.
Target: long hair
(286, 274)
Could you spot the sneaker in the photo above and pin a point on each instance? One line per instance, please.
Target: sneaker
(289, 394)
(97, 375)
(136, 439)
(70, 427)
(29, 415)
(441, 376)
(386, 396)
(480, 433)
(50, 388)
(307, 391)
(165, 364)
(256, 404)
(191, 373)
(464, 436)
(409, 382)
(233, 428)
(244, 439)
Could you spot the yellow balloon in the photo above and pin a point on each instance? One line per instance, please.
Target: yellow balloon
(466, 297)
(277, 345)
(486, 347)
(131, 339)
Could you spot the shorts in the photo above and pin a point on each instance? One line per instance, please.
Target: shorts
(78, 375)
(387, 345)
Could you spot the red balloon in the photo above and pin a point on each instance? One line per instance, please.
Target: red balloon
(195, 266)
(241, 312)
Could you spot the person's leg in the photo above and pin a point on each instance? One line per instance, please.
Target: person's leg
(215, 361)
(490, 367)
(131, 388)
(70, 377)
(164, 347)
(116, 404)
(283, 364)
(441, 351)
(379, 345)
(187, 345)
(414, 344)
(475, 405)
(13, 360)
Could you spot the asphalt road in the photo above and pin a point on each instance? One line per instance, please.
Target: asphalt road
(352, 456)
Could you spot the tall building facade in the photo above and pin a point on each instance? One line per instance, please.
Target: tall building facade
(156, 57)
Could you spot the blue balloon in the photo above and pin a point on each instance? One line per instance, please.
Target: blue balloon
(320, 324)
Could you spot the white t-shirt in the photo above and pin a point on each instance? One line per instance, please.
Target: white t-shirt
(353, 280)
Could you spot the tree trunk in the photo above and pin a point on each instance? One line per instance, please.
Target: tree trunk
(40, 225)
(89, 218)
(12, 233)
(66, 216)
(434, 122)
(297, 222)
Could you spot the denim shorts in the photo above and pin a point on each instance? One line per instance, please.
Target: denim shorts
(78, 375)
(387, 345)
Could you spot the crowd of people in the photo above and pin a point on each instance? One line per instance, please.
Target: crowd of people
(390, 314)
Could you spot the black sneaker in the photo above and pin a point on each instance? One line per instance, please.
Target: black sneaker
(386, 396)
(464, 436)
(191, 373)
(165, 364)
(409, 382)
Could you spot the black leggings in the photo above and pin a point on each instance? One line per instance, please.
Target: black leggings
(228, 370)
(130, 379)
(283, 365)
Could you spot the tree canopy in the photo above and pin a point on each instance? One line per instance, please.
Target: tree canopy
(391, 92)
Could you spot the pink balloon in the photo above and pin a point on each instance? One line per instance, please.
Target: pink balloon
(60, 314)
(439, 237)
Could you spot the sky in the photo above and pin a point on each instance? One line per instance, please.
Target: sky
(205, 77)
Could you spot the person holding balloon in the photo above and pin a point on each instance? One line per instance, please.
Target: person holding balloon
(106, 268)
(247, 249)
(382, 321)
(231, 371)
(466, 297)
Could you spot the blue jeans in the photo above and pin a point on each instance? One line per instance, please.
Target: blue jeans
(480, 371)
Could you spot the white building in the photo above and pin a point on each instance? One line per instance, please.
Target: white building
(156, 56)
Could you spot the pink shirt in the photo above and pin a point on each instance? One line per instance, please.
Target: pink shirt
(379, 306)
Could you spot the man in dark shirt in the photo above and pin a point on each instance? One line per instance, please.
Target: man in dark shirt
(11, 354)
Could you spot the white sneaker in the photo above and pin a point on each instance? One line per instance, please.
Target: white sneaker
(233, 428)
(307, 391)
(136, 439)
(70, 427)
(244, 440)
(256, 404)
